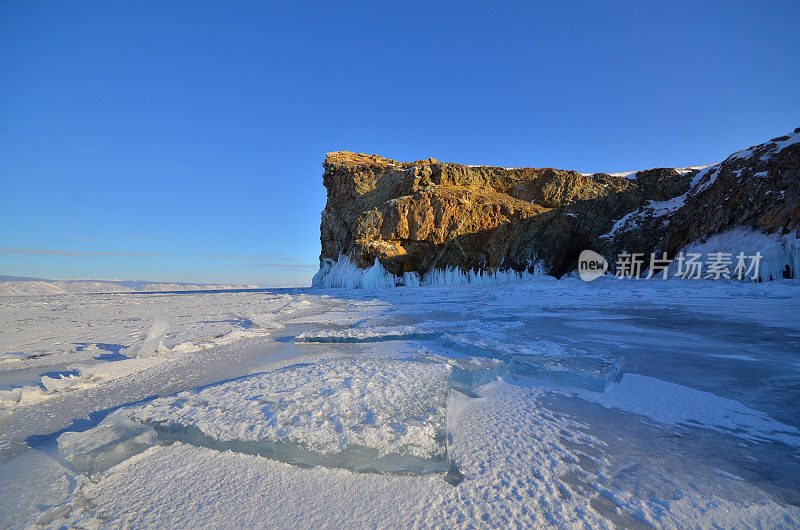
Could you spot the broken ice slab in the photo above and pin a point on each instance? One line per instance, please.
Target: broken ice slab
(469, 373)
(62, 382)
(364, 414)
(591, 372)
(115, 439)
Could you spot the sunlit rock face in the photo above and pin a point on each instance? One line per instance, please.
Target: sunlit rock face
(416, 217)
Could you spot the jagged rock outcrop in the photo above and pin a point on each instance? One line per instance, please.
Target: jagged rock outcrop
(424, 215)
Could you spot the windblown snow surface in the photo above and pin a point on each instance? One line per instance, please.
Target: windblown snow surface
(540, 402)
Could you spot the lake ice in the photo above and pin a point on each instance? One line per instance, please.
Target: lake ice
(562, 403)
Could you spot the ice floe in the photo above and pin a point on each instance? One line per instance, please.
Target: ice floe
(115, 439)
(592, 372)
(362, 414)
(470, 373)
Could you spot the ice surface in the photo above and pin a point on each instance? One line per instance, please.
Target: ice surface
(21, 394)
(666, 402)
(366, 334)
(79, 376)
(701, 431)
(357, 413)
(115, 439)
(16, 396)
(592, 372)
(29, 484)
(541, 359)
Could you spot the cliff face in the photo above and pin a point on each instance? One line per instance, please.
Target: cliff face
(424, 215)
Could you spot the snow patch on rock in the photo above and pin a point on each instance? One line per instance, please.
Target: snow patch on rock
(777, 252)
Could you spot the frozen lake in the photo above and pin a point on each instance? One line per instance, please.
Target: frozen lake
(611, 403)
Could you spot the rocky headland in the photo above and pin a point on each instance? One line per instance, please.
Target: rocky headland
(412, 218)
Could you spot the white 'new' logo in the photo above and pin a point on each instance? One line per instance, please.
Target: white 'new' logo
(591, 265)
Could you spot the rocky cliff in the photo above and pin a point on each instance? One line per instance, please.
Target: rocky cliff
(415, 217)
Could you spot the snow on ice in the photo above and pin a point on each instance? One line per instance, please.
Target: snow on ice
(361, 414)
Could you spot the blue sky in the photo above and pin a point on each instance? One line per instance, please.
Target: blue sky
(183, 141)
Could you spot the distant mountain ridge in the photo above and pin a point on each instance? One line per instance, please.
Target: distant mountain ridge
(27, 285)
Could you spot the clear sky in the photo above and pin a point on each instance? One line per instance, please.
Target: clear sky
(183, 141)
